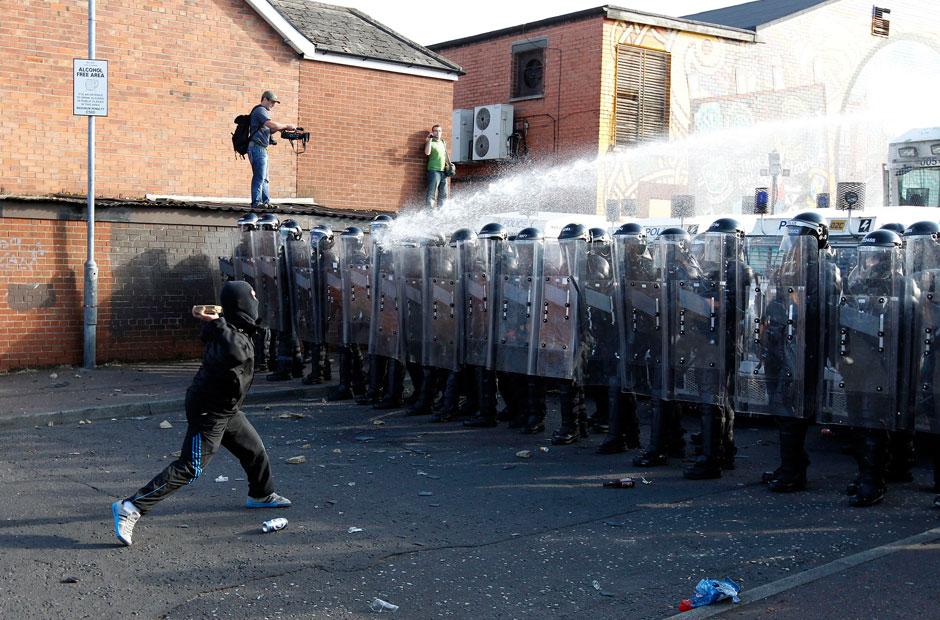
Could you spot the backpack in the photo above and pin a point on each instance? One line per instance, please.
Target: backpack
(241, 137)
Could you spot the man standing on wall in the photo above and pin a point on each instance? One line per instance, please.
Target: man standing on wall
(436, 150)
(260, 127)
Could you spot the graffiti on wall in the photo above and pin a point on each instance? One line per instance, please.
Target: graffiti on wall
(19, 255)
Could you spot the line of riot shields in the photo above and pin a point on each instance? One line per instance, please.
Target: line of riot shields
(766, 325)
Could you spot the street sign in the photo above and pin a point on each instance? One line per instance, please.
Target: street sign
(89, 87)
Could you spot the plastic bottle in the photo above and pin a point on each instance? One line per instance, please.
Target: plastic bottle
(379, 606)
(274, 525)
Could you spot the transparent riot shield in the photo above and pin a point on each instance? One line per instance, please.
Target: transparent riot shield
(922, 305)
(517, 312)
(642, 312)
(558, 352)
(332, 287)
(601, 337)
(385, 328)
(701, 325)
(356, 267)
(302, 289)
(478, 265)
(243, 259)
(861, 378)
(771, 371)
(441, 307)
(411, 272)
(267, 262)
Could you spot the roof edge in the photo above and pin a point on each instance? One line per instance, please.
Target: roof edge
(520, 28)
(795, 14)
(283, 27)
(680, 23)
(424, 49)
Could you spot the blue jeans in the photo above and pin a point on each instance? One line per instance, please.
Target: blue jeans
(437, 184)
(258, 156)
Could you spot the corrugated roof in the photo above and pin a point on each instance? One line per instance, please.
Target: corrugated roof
(350, 32)
(752, 15)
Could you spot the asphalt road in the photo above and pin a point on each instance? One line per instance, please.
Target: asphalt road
(454, 524)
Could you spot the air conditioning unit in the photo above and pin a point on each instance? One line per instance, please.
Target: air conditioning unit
(462, 143)
(492, 126)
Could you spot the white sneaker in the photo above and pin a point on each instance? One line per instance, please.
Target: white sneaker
(125, 517)
(271, 501)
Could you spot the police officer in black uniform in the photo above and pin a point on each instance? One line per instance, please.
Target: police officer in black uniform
(351, 379)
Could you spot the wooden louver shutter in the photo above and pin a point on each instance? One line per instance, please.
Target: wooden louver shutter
(642, 106)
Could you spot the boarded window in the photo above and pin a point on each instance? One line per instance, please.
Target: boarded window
(528, 69)
(642, 105)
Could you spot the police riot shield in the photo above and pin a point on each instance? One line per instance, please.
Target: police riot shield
(700, 336)
(244, 266)
(411, 273)
(601, 337)
(478, 266)
(517, 313)
(302, 289)
(641, 310)
(861, 372)
(441, 307)
(332, 291)
(771, 371)
(268, 263)
(385, 328)
(356, 268)
(922, 267)
(558, 336)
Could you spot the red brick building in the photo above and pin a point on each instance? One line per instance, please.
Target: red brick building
(179, 72)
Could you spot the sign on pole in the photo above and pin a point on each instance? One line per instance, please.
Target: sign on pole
(89, 87)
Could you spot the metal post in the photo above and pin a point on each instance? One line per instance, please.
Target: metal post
(91, 268)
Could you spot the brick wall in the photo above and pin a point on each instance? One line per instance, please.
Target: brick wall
(179, 72)
(564, 122)
(368, 131)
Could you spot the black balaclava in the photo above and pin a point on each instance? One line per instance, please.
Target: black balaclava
(239, 305)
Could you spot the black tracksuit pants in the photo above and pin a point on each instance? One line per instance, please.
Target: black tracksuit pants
(206, 431)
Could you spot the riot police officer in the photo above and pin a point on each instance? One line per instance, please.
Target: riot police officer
(791, 332)
(353, 262)
(275, 283)
(481, 273)
(382, 290)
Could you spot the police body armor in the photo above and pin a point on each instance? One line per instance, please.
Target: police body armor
(356, 272)
(517, 314)
(599, 292)
(772, 371)
(268, 262)
(478, 264)
(441, 307)
(922, 268)
(302, 284)
(642, 312)
(385, 328)
(861, 373)
(558, 325)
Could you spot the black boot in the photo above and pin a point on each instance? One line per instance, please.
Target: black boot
(394, 386)
(450, 402)
(571, 404)
(316, 365)
(343, 390)
(614, 442)
(656, 452)
(377, 367)
(535, 407)
(600, 421)
(427, 387)
(872, 459)
(708, 465)
(900, 456)
(486, 396)
(791, 475)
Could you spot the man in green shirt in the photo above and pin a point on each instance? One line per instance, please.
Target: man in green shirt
(436, 150)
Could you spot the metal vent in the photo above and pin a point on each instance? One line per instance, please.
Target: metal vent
(879, 23)
(642, 96)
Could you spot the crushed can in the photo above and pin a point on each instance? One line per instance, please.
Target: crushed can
(274, 525)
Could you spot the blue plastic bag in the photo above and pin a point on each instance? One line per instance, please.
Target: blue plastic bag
(710, 591)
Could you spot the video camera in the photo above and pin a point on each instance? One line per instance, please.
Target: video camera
(297, 135)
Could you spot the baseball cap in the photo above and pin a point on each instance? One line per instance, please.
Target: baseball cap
(270, 96)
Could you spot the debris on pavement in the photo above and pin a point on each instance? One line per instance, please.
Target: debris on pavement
(292, 416)
(297, 460)
(524, 454)
(69, 580)
(710, 591)
(543, 449)
(221, 479)
(378, 606)
(620, 483)
(354, 530)
(274, 525)
(615, 523)
(378, 422)
(597, 586)
(425, 493)
(165, 424)
(364, 438)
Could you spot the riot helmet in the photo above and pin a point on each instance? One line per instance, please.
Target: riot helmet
(809, 223)
(249, 221)
(268, 221)
(529, 234)
(380, 223)
(895, 227)
(290, 230)
(678, 259)
(574, 231)
(726, 225)
(326, 234)
(598, 235)
(878, 252)
(494, 231)
(918, 229)
(352, 231)
(922, 247)
(461, 235)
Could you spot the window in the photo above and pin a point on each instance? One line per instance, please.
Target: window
(528, 69)
(880, 26)
(642, 105)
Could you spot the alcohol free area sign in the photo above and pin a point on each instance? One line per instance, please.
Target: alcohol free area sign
(89, 87)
